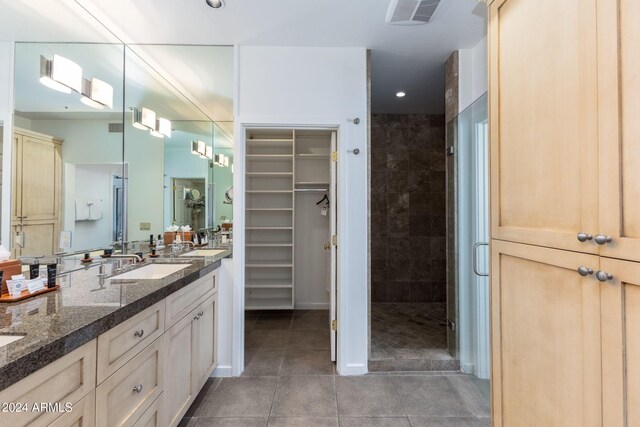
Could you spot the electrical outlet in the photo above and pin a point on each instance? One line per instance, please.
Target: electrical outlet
(145, 226)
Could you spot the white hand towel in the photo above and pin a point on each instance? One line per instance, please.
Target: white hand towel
(82, 210)
(95, 210)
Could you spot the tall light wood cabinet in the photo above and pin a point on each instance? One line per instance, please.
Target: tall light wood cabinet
(619, 127)
(546, 337)
(564, 84)
(37, 179)
(543, 121)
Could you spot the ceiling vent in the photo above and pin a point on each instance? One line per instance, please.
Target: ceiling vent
(411, 12)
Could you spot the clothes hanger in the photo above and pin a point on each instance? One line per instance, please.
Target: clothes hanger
(323, 199)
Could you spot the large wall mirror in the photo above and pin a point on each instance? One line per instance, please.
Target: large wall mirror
(143, 143)
(67, 147)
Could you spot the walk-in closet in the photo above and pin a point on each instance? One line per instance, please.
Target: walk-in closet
(290, 216)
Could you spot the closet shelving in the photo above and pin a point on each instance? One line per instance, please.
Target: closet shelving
(285, 170)
(269, 217)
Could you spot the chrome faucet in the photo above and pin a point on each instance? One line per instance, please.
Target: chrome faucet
(121, 257)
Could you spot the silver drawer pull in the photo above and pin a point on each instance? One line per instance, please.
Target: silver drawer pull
(583, 237)
(138, 388)
(601, 239)
(584, 271)
(603, 276)
(139, 333)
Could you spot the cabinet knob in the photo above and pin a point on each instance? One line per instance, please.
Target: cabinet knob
(139, 333)
(603, 276)
(201, 314)
(601, 239)
(584, 271)
(583, 237)
(196, 317)
(138, 388)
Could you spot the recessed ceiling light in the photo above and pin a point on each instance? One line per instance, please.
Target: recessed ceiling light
(400, 94)
(216, 4)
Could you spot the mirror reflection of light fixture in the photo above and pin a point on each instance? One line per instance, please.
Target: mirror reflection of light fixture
(202, 149)
(226, 162)
(163, 126)
(209, 151)
(97, 93)
(194, 148)
(60, 74)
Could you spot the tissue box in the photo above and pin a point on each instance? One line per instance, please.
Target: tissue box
(170, 236)
(10, 267)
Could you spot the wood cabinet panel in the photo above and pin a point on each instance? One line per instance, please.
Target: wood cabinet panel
(126, 395)
(620, 343)
(546, 363)
(543, 118)
(619, 127)
(118, 345)
(206, 341)
(186, 299)
(38, 237)
(82, 415)
(68, 379)
(40, 178)
(180, 369)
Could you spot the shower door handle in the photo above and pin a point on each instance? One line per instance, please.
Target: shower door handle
(474, 259)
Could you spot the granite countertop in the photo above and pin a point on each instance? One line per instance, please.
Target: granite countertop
(84, 307)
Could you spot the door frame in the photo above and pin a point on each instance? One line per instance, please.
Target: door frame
(346, 339)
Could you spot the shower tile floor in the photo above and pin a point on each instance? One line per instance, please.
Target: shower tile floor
(410, 337)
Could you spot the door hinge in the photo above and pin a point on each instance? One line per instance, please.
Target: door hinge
(334, 325)
(450, 150)
(334, 156)
(334, 240)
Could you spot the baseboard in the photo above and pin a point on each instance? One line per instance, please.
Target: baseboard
(312, 306)
(354, 369)
(467, 368)
(222, 371)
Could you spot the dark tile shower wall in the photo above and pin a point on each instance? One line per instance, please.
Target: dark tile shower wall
(408, 209)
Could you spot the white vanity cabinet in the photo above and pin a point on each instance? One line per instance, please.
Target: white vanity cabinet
(190, 346)
(146, 371)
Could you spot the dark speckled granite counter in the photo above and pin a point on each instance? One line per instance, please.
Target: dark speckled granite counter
(57, 323)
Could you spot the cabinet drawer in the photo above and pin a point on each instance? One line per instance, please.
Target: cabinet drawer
(118, 345)
(123, 397)
(151, 418)
(82, 415)
(186, 299)
(67, 380)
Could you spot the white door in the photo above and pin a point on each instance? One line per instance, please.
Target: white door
(333, 204)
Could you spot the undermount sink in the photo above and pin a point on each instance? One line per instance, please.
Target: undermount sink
(151, 271)
(8, 339)
(204, 252)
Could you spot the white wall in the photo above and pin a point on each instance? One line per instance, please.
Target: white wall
(473, 74)
(6, 116)
(306, 86)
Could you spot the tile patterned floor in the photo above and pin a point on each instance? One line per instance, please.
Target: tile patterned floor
(289, 381)
(409, 337)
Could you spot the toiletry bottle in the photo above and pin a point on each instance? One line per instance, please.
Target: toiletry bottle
(151, 240)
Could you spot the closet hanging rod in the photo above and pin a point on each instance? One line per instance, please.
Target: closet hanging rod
(323, 190)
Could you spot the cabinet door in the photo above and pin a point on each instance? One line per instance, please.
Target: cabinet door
(206, 341)
(40, 179)
(621, 343)
(180, 365)
(83, 413)
(546, 363)
(16, 179)
(39, 237)
(543, 118)
(619, 126)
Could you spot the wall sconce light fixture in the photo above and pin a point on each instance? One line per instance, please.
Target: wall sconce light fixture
(60, 74)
